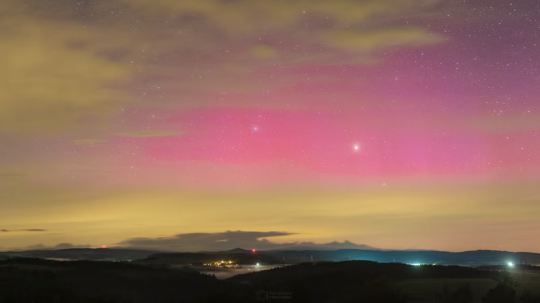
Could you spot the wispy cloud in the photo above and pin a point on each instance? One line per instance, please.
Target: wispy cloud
(52, 72)
(83, 68)
(49, 247)
(24, 230)
(149, 133)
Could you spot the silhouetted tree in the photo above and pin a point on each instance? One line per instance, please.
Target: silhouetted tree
(504, 292)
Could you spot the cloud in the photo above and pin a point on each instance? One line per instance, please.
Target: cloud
(89, 141)
(61, 72)
(149, 133)
(49, 247)
(368, 41)
(53, 74)
(302, 26)
(232, 16)
(70, 245)
(24, 230)
(323, 246)
(264, 52)
(204, 241)
(230, 240)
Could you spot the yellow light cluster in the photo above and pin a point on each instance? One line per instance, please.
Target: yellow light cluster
(219, 263)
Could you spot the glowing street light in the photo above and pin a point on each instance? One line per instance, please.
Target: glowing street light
(510, 264)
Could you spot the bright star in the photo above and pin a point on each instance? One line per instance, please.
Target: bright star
(356, 147)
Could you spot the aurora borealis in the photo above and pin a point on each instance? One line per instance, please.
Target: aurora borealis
(392, 123)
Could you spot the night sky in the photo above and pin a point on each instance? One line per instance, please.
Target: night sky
(212, 124)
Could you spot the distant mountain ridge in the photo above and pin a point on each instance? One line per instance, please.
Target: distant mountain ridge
(240, 256)
(478, 257)
(244, 256)
(90, 254)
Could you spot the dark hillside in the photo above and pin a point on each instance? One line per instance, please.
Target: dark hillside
(326, 281)
(35, 280)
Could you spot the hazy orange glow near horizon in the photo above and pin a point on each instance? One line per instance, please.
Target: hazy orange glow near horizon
(209, 125)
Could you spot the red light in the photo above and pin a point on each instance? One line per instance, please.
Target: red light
(253, 250)
(104, 246)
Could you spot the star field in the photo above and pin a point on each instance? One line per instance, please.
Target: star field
(394, 123)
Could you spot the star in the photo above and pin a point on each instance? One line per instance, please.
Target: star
(356, 147)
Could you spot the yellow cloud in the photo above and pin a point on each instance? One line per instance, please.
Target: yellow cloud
(89, 141)
(149, 133)
(53, 75)
(58, 73)
(247, 15)
(368, 41)
(317, 24)
(264, 52)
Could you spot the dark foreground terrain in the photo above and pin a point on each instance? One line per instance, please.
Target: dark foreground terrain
(37, 280)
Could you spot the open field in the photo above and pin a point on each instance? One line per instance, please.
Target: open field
(428, 290)
(527, 279)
